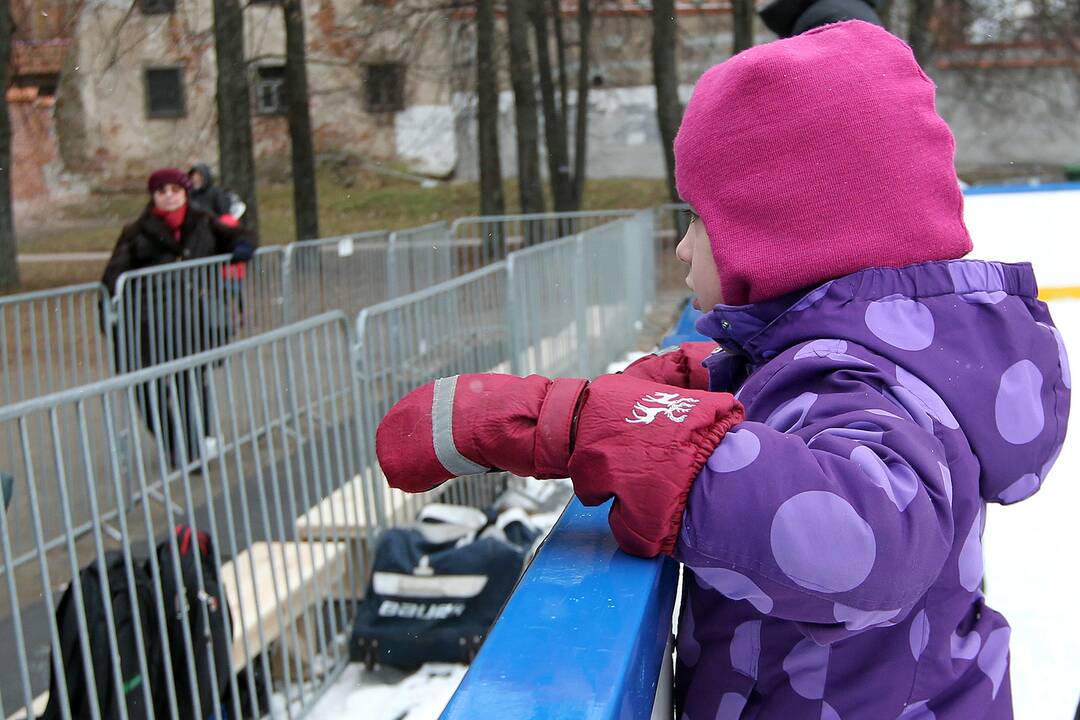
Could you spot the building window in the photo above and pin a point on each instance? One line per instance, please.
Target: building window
(157, 7)
(384, 88)
(164, 93)
(44, 83)
(270, 90)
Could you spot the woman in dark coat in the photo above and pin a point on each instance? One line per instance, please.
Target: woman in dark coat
(181, 315)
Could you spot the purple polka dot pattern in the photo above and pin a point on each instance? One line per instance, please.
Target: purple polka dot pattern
(821, 348)
(807, 665)
(971, 277)
(971, 559)
(859, 432)
(1022, 488)
(745, 648)
(965, 648)
(984, 298)
(737, 450)
(1050, 463)
(883, 413)
(919, 634)
(899, 482)
(835, 350)
(917, 711)
(810, 298)
(946, 481)
(689, 650)
(1063, 357)
(855, 619)
(790, 416)
(994, 657)
(735, 586)
(828, 713)
(901, 322)
(933, 403)
(731, 706)
(798, 530)
(915, 407)
(1018, 408)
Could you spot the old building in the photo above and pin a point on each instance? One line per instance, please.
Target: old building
(107, 89)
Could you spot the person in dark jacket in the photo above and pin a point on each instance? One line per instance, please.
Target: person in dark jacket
(168, 320)
(204, 194)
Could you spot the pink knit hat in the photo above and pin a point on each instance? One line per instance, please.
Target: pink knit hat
(816, 156)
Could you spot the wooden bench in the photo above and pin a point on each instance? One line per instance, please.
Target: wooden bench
(272, 585)
(39, 704)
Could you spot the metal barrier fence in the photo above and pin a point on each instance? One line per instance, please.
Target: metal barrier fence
(459, 326)
(343, 273)
(568, 307)
(419, 258)
(287, 440)
(51, 340)
(672, 220)
(166, 312)
(479, 241)
(576, 304)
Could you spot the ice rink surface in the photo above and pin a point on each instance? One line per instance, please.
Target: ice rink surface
(1032, 549)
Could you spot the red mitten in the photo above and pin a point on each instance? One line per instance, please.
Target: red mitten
(679, 366)
(635, 441)
(470, 424)
(644, 445)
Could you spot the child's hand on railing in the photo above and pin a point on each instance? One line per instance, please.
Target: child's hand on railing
(622, 437)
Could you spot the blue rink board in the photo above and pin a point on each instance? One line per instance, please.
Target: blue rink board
(582, 636)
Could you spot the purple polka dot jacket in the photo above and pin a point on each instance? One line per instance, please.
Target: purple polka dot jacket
(832, 543)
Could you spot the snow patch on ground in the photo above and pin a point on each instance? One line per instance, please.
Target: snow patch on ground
(386, 694)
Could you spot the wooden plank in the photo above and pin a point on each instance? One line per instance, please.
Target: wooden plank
(271, 584)
(39, 704)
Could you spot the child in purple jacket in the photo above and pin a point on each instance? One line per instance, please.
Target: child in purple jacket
(830, 519)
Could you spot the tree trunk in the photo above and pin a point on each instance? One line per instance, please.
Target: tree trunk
(666, 78)
(235, 145)
(554, 129)
(9, 268)
(742, 36)
(487, 112)
(581, 127)
(919, 35)
(530, 187)
(305, 199)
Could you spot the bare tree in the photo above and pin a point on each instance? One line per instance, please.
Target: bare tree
(555, 126)
(487, 112)
(742, 34)
(305, 198)
(235, 145)
(920, 35)
(669, 108)
(9, 269)
(581, 127)
(530, 187)
(567, 184)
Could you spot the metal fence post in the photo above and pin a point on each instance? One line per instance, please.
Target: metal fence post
(581, 304)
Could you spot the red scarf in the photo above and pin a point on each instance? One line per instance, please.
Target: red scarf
(173, 219)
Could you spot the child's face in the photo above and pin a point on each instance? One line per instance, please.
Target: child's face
(703, 279)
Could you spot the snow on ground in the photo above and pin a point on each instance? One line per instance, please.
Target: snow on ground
(385, 694)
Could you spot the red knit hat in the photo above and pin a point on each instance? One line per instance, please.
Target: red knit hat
(168, 176)
(816, 156)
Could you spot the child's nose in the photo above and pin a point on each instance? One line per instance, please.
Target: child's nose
(683, 250)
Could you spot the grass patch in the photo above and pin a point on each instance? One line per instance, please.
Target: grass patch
(354, 200)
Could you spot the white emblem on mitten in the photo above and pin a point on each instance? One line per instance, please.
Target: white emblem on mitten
(671, 405)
